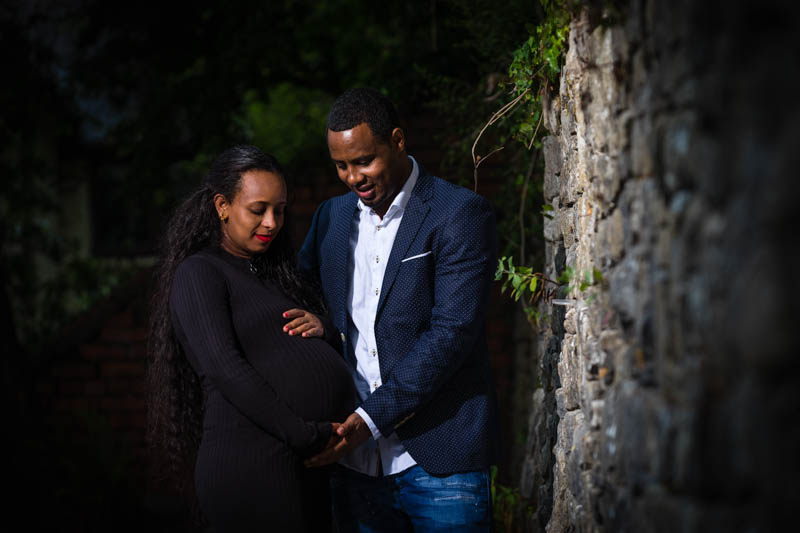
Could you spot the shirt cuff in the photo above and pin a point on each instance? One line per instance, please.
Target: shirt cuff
(376, 434)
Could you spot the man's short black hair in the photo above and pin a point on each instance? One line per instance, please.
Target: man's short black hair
(360, 105)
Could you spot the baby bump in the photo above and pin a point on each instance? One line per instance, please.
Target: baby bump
(313, 381)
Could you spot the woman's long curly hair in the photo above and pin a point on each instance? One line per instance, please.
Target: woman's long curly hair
(175, 405)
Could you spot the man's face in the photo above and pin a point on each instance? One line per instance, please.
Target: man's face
(373, 169)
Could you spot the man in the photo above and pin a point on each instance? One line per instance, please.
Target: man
(405, 261)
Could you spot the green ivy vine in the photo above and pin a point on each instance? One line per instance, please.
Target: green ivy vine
(534, 70)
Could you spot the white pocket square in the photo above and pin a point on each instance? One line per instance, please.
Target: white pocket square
(415, 256)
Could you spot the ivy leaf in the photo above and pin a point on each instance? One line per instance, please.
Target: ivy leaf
(566, 276)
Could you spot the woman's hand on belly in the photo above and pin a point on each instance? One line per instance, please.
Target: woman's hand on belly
(303, 323)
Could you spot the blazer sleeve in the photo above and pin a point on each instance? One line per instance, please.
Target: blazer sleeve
(331, 335)
(465, 258)
(308, 256)
(200, 310)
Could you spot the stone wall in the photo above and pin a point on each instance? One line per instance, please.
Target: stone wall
(670, 396)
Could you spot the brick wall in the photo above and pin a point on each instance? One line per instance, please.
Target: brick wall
(103, 376)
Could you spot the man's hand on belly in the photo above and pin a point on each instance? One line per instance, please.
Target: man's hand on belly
(351, 434)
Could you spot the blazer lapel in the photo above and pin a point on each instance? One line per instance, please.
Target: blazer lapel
(416, 210)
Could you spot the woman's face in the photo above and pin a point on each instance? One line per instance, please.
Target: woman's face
(255, 215)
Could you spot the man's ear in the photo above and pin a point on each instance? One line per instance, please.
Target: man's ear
(398, 140)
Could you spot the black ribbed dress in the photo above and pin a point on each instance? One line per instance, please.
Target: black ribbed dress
(269, 398)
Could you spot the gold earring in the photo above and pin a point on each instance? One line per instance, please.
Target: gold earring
(223, 217)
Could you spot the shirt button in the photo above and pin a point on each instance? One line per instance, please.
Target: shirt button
(378, 227)
(373, 352)
(376, 292)
(377, 259)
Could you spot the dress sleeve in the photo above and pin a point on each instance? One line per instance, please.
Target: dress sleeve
(200, 308)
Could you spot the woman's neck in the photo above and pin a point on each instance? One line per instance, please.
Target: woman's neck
(233, 250)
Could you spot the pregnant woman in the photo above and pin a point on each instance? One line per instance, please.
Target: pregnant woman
(243, 377)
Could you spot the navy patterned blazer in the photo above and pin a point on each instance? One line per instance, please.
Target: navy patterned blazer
(430, 326)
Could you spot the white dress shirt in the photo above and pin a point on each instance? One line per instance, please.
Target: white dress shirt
(371, 240)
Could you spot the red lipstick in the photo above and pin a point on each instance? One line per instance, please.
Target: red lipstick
(264, 238)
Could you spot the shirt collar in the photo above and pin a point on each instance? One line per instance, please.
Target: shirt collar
(400, 201)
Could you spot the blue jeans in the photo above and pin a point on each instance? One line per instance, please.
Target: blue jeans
(412, 500)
